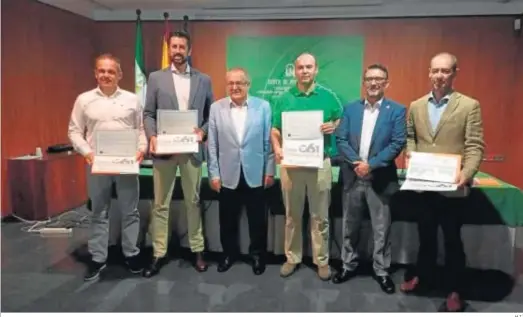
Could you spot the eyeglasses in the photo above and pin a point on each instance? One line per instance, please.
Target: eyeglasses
(379, 80)
(237, 83)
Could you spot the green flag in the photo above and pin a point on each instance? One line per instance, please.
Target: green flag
(140, 81)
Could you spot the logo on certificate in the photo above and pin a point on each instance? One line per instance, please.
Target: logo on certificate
(309, 148)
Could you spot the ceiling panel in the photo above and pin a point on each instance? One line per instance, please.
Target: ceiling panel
(120, 10)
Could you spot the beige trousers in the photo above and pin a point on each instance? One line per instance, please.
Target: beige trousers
(164, 178)
(316, 184)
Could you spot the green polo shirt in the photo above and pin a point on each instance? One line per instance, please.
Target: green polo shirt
(318, 99)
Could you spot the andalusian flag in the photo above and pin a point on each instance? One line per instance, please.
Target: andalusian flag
(140, 81)
(166, 61)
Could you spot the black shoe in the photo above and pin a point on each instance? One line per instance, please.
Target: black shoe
(134, 264)
(199, 262)
(343, 276)
(153, 268)
(386, 284)
(225, 264)
(258, 265)
(93, 270)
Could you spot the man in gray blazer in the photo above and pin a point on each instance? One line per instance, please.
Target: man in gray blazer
(178, 87)
(241, 166)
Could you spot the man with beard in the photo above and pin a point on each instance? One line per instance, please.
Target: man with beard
(177, 87)
(297, 182)
(444, 121)
(108, 107)
(372, 133)
(240, 167)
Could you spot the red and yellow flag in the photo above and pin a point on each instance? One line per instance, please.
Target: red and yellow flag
(166, 61)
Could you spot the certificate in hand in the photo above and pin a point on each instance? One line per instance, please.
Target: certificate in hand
(115, 152)
(432, 172)
(302, 139)
(176, 132)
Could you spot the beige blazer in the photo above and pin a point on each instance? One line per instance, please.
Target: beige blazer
(459, 131)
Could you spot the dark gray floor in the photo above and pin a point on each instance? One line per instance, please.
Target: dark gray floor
(45, 275)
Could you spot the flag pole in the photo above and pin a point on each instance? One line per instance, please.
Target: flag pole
(185, 23)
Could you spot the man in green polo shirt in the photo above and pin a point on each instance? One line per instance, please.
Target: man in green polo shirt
(299, 182)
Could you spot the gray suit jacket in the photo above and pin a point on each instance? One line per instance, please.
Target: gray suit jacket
(227, 155)
(161, 94)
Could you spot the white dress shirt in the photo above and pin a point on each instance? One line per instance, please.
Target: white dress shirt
(370, 115)
(239, 115)
(182, 86)
(94, 111)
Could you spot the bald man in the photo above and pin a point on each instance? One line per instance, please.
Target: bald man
(444, 121)
(299, 182)
(240, 167)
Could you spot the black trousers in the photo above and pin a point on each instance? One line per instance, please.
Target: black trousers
(231, 202)
(436, 211)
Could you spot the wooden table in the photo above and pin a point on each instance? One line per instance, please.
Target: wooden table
(45, 187)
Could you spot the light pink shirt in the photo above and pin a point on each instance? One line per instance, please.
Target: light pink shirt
(94, 111)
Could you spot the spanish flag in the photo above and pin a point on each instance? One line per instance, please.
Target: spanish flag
(166, 61)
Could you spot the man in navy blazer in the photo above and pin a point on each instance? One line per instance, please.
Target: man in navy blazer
(240, 167)
(371, 134)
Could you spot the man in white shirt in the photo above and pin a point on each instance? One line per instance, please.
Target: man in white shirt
(240, 167)
(109, 107)
(371, 134)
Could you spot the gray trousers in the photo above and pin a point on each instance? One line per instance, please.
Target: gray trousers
(355, 201)
(127, 189)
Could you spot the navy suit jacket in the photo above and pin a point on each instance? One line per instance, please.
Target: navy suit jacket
(388, 140)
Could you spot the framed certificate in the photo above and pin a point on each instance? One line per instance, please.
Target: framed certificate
(115, 152)
(302, 139)
(175, 132)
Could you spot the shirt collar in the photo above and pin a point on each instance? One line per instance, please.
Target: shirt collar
(376, 105)
(445, 98)
(233, 105)
(115, 94)
(187, 70)
(296, 92)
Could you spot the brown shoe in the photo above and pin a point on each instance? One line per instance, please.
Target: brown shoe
(453, 304)
(287, 269)
(324, 272)
(410, 286)
(199, 264)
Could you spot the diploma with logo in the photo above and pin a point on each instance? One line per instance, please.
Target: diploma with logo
(115, 152)
(302, 139)
(175, 132)
(432, 172)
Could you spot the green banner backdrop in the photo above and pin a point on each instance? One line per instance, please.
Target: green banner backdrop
(270, 63)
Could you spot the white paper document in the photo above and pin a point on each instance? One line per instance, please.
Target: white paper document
(116, 142)
(115, 152)
(114, 165)
(302, 139)
(432, 172)
(175, 132)
(176, 143)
